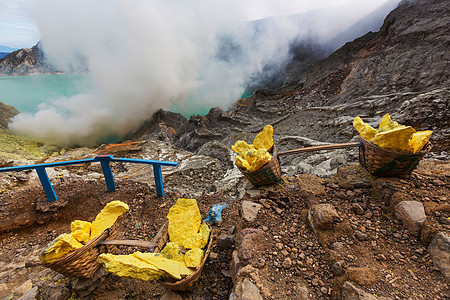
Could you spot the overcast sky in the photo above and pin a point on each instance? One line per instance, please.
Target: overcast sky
(18, 30)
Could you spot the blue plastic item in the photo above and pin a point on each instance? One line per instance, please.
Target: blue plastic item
(215, 213)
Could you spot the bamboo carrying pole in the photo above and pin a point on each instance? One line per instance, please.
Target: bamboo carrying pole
(317, 148)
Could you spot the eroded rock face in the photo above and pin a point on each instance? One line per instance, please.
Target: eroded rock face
(25, 61)
(6, 113)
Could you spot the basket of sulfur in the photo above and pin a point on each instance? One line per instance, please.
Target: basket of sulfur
(259, 163)
(179, 256)
(393, 149)
(75, 254)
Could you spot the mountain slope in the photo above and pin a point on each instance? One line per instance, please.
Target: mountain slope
(25, 61)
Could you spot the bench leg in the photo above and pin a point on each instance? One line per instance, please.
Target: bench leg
(106, 167)
(158, 180)
(46, 184)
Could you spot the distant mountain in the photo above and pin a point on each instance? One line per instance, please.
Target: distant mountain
(25, 61)
(7, 49)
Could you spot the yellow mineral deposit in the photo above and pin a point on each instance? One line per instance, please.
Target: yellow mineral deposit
(264, 139)
(59, 247)
(419, 139)
(395, 139)
(392, 135)
(193, 258)
(172, 251)
(129, 266)
(81, 230)
(364, 129)
(204, 231)
(107, 217)
(184, 228)
(184, 221)
(173, 268)
(253, 157)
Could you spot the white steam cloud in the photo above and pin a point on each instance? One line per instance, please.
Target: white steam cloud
(143, 55)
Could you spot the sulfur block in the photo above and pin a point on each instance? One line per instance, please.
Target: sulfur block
(396, 139)
(241, 147)
(419, 140)
(81, 230)
(107, 217)
(184, 221)
(385, 120)
(264, 139)
(204, 231)
(129, 266)
(262, 157)
(193, 258)
(174, 268)
(242, 163)
(364, 129)
(58, 248)
(172, 251)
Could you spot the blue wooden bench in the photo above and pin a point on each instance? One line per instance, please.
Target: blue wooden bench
(104, 160)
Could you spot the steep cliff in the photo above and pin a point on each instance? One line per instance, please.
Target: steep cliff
(26, 61)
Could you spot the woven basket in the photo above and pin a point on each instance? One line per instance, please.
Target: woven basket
(187, 283)
(382, 162)
(82, 263)
(270, 173)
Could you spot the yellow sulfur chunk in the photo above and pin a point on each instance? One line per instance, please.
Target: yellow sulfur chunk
(194, 241)
(241, 147)
(419, 139)
(365, 130)
(251, 155)
(184, 221)
(175, 269)
(172, 251)
(261, 158)
(129, 266)
(391, 126)
(385, 120)
(264, 139)
(193, 258)
(396, 139)
(59, 247)
(242, 163)
(204, 231)
(81, 230)
(107, 217)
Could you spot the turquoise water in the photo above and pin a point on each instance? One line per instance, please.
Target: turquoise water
(26, 92)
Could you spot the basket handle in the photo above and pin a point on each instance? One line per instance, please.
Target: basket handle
(317, 148)
(144, 244)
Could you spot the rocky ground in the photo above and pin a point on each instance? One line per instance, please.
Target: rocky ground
(309, 237)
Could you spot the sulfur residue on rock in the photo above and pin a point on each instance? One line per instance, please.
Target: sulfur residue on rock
(392, 135)
(59, 247)
(184, 221)
(107, 217)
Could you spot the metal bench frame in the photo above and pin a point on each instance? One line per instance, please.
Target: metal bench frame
(104, 160)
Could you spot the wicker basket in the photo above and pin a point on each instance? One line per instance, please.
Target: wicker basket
(270, 173)
(187, 283)
(82, 263)
(382, 162)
